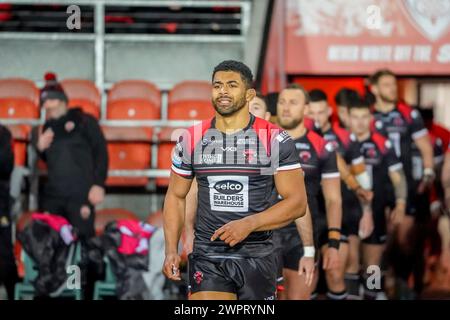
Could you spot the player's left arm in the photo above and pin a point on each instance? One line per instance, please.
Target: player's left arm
(423, 142)
(291, 188)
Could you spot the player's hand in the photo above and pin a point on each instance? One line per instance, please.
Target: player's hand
(363, 195)
(427, 180)
(96, 195)
(366, 225)
(188, 243)
(85, 212)
(306, 268)
(398, 213)
(45, 139)
(331, 259)
(171, 267)
(234, 232)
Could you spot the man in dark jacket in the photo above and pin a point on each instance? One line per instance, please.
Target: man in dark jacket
(73, 146)
(8, 269)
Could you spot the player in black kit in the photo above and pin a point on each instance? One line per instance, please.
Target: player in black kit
(234, 157)
(384, 169)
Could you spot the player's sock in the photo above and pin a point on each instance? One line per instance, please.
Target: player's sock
(352, 282)
(342, 295)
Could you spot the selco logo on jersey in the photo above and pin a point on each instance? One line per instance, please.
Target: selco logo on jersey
(228, 193)
(228, 187)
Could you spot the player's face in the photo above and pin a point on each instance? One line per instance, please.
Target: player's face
(290, 108)
(342, 112)
(258, 108)
(386, 89)
(229, 93)
(360, 120)
(54, 108)
(319, 112)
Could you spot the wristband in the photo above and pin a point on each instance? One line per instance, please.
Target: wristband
(334, 233)
(333, 243)
(309, 252)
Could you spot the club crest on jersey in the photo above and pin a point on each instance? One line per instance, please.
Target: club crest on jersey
(398, 121)
(371, 153)
(69, 126)
(198, 277)
(249, 155)
(305, 156)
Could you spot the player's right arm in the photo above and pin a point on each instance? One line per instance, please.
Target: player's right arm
(180, 183)
(305, 230)
(191, 212)
(398, 179)
(173, 214)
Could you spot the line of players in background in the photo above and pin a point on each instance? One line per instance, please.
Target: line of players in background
(387, 160)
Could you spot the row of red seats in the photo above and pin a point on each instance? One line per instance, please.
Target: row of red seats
(126, 100)
(134, 154)
(129, 147)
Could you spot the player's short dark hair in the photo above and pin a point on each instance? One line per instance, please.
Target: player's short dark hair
(346, 97)
(317, 95)
(263, 98)
(360, 103)
(374, 78)
(296, 86)
(236, 66)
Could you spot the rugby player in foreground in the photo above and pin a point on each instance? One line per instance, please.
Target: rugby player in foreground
(305, 262)
(237, 160)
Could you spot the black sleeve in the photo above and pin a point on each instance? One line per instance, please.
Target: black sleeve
(181, 156)
(393, 163)
(284, 154)
(99, 150)
(328, 162)
(6, 154)
(417, 126)
(353, 153)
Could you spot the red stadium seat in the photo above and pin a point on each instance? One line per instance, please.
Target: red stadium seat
(166, 144)
(133, 109)
(130, 134)
(190, 110)
(19, 88)
(129, 149)
(20, 134)
(83, 93)
(190, 100)
(19, 99)
(135, 89)
(190, 91)
(164, 161)
(105, 216)
(128, 156)
(18, 108)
